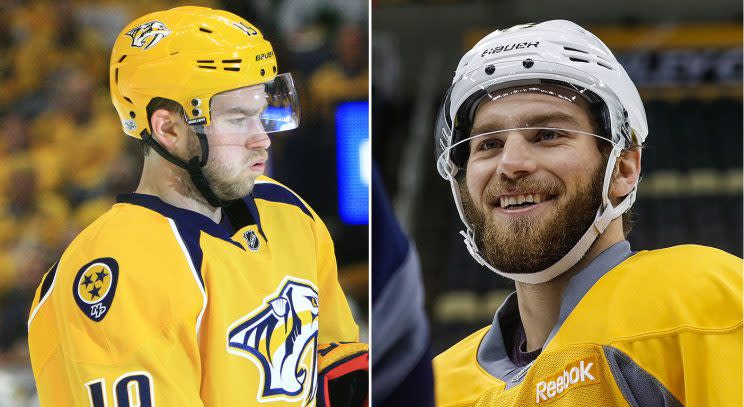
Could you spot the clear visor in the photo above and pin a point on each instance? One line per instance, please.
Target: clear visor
(254, 110)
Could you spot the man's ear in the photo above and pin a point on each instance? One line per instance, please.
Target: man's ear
(627, 173)
(164, 129)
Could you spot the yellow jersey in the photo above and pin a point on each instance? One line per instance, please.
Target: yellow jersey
(654, 328)
(158, 305)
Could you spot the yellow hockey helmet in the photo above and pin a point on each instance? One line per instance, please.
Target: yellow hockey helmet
(191, 55)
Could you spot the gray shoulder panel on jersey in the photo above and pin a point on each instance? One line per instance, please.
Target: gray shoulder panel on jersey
(492, 355)
(639, 388)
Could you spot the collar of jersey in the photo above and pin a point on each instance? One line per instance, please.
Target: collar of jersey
(585, 279)
(179, 215)
(492, 355)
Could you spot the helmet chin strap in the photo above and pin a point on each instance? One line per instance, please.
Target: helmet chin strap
(605, 214)
(193, 166)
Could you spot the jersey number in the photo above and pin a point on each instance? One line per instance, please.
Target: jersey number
(133, 389)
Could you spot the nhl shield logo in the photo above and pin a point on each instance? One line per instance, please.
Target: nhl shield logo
(251, 239)
(94, 287)
(281, 338)
(129, 125)
(148, 34)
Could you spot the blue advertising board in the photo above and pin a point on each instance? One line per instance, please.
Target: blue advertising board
(353, 158)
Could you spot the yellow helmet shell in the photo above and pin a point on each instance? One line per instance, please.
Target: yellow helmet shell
(186, 54)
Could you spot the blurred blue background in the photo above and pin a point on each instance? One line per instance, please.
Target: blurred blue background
(352, 160)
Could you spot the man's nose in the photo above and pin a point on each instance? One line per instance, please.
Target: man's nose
(259, 139)
(517, 158)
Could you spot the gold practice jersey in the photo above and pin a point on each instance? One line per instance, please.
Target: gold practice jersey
(153, 305)
(655, 328)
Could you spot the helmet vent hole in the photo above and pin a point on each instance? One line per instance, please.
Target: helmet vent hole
(263, 72)
(128, 100)
(205, 61)
(578, 60)
(233, 69)
(232, 61)
(574, 50)
(205, 30)
(604, 66)
(207, 66)
(122, 58)
(116, 76)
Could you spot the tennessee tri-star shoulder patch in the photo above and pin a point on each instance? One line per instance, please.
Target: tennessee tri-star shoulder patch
(94, 287)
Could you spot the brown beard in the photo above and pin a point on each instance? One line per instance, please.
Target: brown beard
(226, 184)
(530, 244)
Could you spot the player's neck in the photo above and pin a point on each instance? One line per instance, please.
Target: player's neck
(540, 304)
(174, 186)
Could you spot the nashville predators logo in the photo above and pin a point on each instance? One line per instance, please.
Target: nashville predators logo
(280, 337)
(148, 34)
(94, 287)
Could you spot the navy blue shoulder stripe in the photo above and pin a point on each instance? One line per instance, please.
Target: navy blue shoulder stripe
(189, 221)
(277, 193)
(46, 284)
(190, 239)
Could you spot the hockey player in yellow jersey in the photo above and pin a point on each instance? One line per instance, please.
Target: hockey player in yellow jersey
(211, 285)
(540, 137)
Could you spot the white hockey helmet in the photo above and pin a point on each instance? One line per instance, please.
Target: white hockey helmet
(553, 52)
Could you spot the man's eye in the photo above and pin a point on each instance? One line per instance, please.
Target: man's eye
(490, 144)
(238, 120)
(547, 135)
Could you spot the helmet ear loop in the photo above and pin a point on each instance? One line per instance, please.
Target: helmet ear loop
(628, 200)
(194, 168)
(469, 238)
(204, 147)
(606, 212)
(609, 172)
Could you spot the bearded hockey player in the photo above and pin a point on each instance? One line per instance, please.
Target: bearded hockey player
(211, 285)
(540, 137)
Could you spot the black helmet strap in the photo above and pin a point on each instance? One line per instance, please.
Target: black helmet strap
(193, 166)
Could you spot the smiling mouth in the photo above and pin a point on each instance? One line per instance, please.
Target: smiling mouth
(518, 201)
